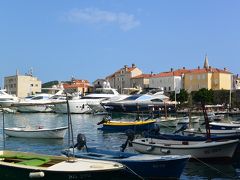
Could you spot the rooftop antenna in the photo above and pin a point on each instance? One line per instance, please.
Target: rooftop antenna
(31, 71)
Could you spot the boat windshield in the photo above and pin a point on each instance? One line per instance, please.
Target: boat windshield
(133, 97)
(103, 91)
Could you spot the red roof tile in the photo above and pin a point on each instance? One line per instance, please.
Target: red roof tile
(146, 76)
(178, 72)
(209, 70)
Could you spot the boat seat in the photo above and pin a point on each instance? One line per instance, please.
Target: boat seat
(26, 159)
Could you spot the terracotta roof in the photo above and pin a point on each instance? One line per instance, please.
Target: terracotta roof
(209, 70)
(67, 86)
(129, 69)
(178, 72)
(80, 81)
(143, 76)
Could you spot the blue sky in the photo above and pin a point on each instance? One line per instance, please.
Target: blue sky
(92, 39)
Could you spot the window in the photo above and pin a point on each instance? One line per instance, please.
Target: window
(156, 100)
(169, 88)
(36, 85)
(199, 77)
(190, 77)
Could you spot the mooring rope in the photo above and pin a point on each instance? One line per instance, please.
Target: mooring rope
(134, 172)
(214, 168)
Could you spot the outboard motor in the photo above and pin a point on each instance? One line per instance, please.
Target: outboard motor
(81, 141)
(130, 137)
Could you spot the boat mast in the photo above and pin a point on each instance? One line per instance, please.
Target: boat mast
(3, 131)
(70, 129)
(206, 122)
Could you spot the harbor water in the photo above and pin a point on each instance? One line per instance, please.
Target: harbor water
(87, 125)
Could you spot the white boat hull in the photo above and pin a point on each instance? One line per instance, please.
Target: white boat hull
(35, 108)
(75, 107)
(167, 122)
(57, 133)
(214, 132)
(202, 149)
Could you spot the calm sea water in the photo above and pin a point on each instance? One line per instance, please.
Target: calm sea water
(87, 124)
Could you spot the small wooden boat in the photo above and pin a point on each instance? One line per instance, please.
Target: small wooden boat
(186, 120)
(144, 165)
(167, 122)
(140, 125)
(21, 165)
(37, 132)
(197, 149)
(215, 117)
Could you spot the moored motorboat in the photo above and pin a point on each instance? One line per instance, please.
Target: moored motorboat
(144, 165)
(36, 132)
(223, 126)
(197, 149)
(138, 125)
(6, 100)
(23, 165)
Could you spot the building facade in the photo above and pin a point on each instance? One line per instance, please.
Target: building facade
(77, 85)
(168, 81)
(22, 85)
(207, 77)
(122, 78)
(141, 81)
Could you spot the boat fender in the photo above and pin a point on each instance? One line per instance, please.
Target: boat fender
(165, 151)
(36, 174)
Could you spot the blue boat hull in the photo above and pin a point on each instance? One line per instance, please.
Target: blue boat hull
(159, 167)
(135, 128)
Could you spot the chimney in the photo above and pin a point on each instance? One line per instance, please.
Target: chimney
(198, 67)
(171, 69)
(133, 65)
(125, 67)
(184, 67)
(225, 69)
(151, 73)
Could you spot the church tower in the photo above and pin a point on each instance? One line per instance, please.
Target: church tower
(206, 65)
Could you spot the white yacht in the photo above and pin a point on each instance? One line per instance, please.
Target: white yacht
(6, 100)
(141, 103)
(83, 104)
(36, 103)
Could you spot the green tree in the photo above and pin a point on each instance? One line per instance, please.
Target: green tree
(182, 96)
(203, 96)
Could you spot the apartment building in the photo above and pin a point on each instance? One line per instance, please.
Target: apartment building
(77, 85)
(122, 78)
(22, 85)
(168, 81)
(207, 77)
